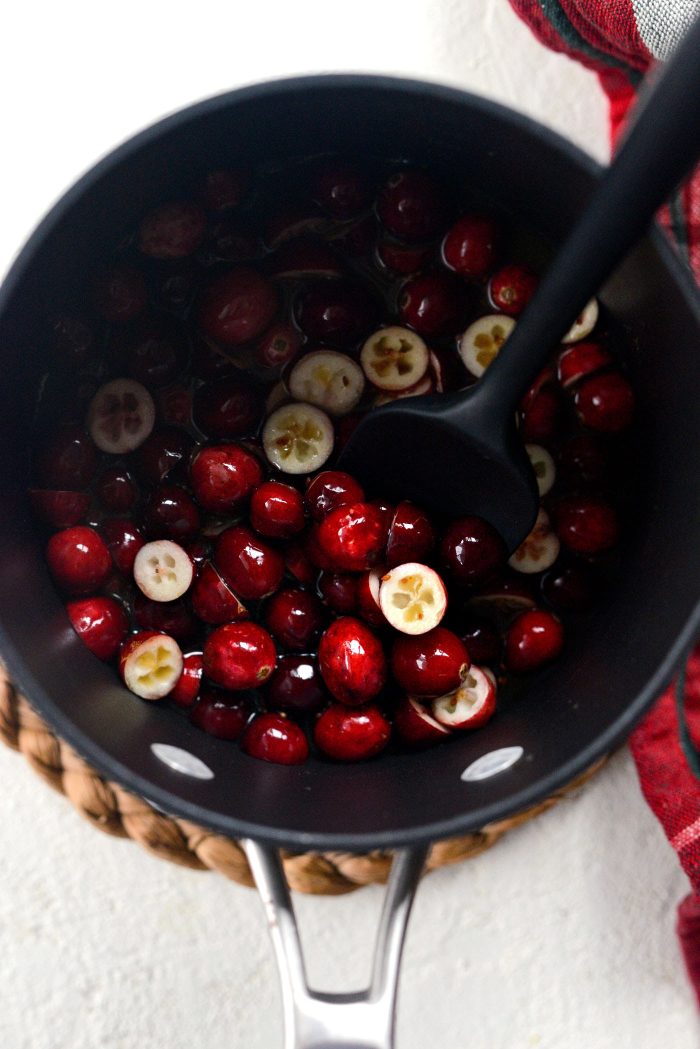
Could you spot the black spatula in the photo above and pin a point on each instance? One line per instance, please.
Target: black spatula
(460, 453)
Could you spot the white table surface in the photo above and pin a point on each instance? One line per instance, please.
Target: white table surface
(558, 938)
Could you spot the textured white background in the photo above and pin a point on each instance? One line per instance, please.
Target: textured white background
(559, 938)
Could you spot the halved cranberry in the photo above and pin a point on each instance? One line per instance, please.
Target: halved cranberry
(116, 489)
(279, 345)
(67, 460)
(100, 623)
(124, 541)
(221, 714)
(339, 591)
(238, 306)
(331, 489)
(73, 340)
(296, 685)
(411, 205)
(341, 188)
(239, 655)
(581, 360)
(171, 514)
(605, 402)
(187, 689)
(533, 639)
(586, 524)
(368, 607)
(471, 550)
(351, 538)
(415, 724)
(172, 230)
(339, 312)
(155, 353)
(252, 568)
(120, 294)
(163, 451)
(228, 408)
(273, 737)
(57, 508)
(541, 421)
(429, 664)
(213, 600)
(352, 662)
(471, 245)
(351, 735)
(411, 535)
(482, 640)
(224, 476)
(402, 258)
(294, 617)
(165, 617)
(434, 305)
(277, 510)
(224, 188)
(570, 588)
(78, 560)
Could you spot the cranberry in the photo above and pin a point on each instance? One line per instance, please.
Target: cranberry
(434, 305)
(67, 460)
(605, 402)
(228, 408)
(277, 510)
(581, 360)
(209, 361)
(223, 477)
(224, 188)
(511, 288)
(73, 340)
(533, 639)
(238, 306)
(351, 538)
(251, 567)
(482, 640)
(351, 735)
(175, 405)
(78, 560)
(124, 541)
(471, 245)
(415, 725)
(279, 345)
(401, 258)
(339, 591)
(351, 660)
(212, 599)
(341, 188)
(411, 205)
(155, 354)
(171, 514)
(504, 597)
(198, 552)
(117, 490)
(584, 460)
(429, 664)
(273, 737)
(586, 524)
(173, 230)
(569, 588)
(162, 452)
(368, 607)
(294, 618)
(331, 489)
(296, 685)
(231, 240)
(239, 655)
(57, 508)
(187, 689)
(541, 421)
(165, 617)
(471, 550)
(298, 563)
(120, 294)
(100, 623)
(411, 535)
(302, 259)
(339, 312)
(221, 714)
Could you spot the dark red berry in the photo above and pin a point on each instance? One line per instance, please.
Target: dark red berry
(471, 246)
(434, 305)
(541, 421)
(155, 354)
(339, 591)
(471, 550)
(165, 617)
(584, 460)
(351, 735)
(568, 589)
(78, 560)
(171, 514)
(120, 294)
(277, 510)
(331, 489)
(221, 714)
(67, 460)
(251, 567)
(163, 451)
(586, 525)
(581, 360)
(124, 541)
(187, 689)
(341, 188)
(278, 346)
(174, 405)
(605, 402)
(351, 538)
(213, 600)
(273, 737)
(511, 288)
(238, 306)
(411, 205)
(429, 664)
(224, 188)
(402, 258)
(338, 312)
(294, 618)
(411, 535)
(239, 655)
(223, 476)
(296, 686)
(352, 662)
(58, 508)
(533, 639)
(100, 623)
(415, 724)
(482, 640)
(227, 409)
(173, 230)
(368, 608)
(116, 490)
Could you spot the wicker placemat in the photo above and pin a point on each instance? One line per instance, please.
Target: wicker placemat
(115, 811)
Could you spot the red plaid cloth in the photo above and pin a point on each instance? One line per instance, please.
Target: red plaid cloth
(619, 40)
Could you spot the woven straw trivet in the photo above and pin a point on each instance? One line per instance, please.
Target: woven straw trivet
(113, 810)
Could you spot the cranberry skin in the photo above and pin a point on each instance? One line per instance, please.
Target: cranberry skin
(212, 599)
(174, 405)
(278, 346)
(533, 639)
(67, 461)
(100, 623)
(298, 563)
(429, 664)
(59, 509)
(541, 420)
(568, 589)
(273, 737)
(414, 730)
(124, 541)
(250, 567)
(165, 617)
(586, 525)
(296, 686)
(120, 294)
(471, 245)
(331, 489)
(224, 188)
(239, 655)
(584, 460)
(294, 618)
(238, 306)
(338, 312)
(187, 689)
(352, 538)
(173, 230)
(352, 662)
(605, 402)
(434, 305)
(338, 591)
(402, 259)
(78, 560)
(351, 735)
(227, 409)
(154, 356)
(116, 490)
(277, 510)
(411, 535)
(511, 288)
(163, 451)
(482, 640)
(341, 189)
(410, 205)
(221, 714)
(223, 477)
(471, 550)
(171, 514)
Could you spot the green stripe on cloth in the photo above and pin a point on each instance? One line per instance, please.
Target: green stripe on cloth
(559, 20)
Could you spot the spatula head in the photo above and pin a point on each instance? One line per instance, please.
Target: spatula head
(450, 454)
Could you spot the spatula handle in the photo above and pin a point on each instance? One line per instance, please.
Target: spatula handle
(660, 147)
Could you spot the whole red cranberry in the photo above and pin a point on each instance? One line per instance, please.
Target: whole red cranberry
(605, 402)
(482, 640)
(120, 294)
(73, 340)
(338, 312)
(533, 639)
(586, 524)
(163, 451)
(221, 714)
(116, 490)
(223, 476)
(411, 205)
(568, 588)
(277, 510)
(581, 360)
(174, 405)
(429, 664)
(198, 551)
(511, 288)
(172, 230)
(224, 188)
(351, 735)
(155, 353)
(273, 737)
(542, 419)
(251, 567)
(298, 563)
(213, 600)
(339, 591)
(227, 409)
(171, 514)
(352, 662)
(187, 689)
(239, 655)
(165, 617)
(351, 538)
(294, 617)
(78, 560)
(471, 245)
(124, 541)
(434, 305)
(331, 489)
(67, 460)
(279, 345)
(296, 685)
(584, 460)
(238, 306)
(471, 550)
(57, 508)
(341, 188)
(411, 535)
(100, 623)
(402, 258)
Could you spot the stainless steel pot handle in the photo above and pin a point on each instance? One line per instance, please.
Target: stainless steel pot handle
(358, 1020)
